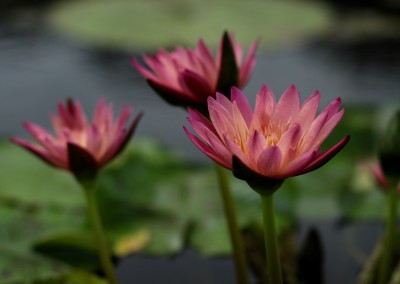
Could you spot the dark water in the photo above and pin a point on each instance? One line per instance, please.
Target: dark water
(345, 249)
(39, 68)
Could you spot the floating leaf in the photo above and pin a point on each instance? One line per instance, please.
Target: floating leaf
(78, 249)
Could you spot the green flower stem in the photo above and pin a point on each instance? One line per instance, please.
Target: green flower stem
(271, 243)
(234, 232)
(103, 249)
(388, 244)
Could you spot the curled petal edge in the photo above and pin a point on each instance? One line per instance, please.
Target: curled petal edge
(326, 156)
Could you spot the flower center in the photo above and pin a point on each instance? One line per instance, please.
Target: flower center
(273, 133)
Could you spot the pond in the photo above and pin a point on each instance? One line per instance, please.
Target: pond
(39, 67)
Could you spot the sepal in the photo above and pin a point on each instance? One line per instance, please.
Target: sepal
(259, 183)
(229, 72)
(81, 163)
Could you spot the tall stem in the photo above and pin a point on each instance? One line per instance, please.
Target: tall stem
(104, 253)
(271, 243)
(388, 244)
(234, 232)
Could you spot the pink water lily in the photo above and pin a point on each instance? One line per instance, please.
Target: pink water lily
(78, 145)
(187, 77)
(275, 141)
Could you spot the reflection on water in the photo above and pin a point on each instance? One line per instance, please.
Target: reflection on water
(38, 68)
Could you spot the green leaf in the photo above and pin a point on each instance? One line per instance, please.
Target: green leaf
(77, 249)
(74, 277)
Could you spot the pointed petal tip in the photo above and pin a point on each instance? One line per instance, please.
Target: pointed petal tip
(327, 155)
(264, 88)
(235, 89)
(134, 61)
(17, 140)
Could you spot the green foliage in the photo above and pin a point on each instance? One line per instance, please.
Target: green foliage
(74, 277)
(151, 24)
(153, 198)
(78, 249)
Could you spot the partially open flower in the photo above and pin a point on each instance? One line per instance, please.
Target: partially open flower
(79, 146)
(379, 176)
(275, 141)
(374, 168)
(187, 77)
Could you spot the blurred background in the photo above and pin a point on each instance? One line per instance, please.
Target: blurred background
(54, 49)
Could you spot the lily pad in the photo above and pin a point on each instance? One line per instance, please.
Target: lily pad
(153, 24)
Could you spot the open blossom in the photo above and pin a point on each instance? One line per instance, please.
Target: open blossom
(187, 77)
(78, 145)
(275, 141)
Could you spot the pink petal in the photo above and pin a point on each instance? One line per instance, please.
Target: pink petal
(220, 118)
(243, 104)
(122, 139)
(332, 108)
(124, 116)
(218, 146)
(269, 161)
(206, 149)
(78, 115)
(173, 95)
(197, 116)
(40, 134)
(99, 111)
(287, 107)
(150, 61)
(239, 124)
(206, 55)
(94, 141)
(57, 125)
(223, 101)
(202, 130)
(255, 145)
(323, 158)
(298, 165)
(328, 128)
(248, 65)
(379, 175)
(312, 133)
(265, 103)
(235, 150)
(40, 153)
(308, 111)
(237, 48)
(288, 142)
(143, 71)
(197, 85)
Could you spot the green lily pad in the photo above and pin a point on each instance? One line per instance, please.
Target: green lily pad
(74, 277)
(153, 24)
(78, 249)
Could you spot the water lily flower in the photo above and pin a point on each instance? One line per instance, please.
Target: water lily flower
(276, 141)
(78, 145)
(187, 77)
